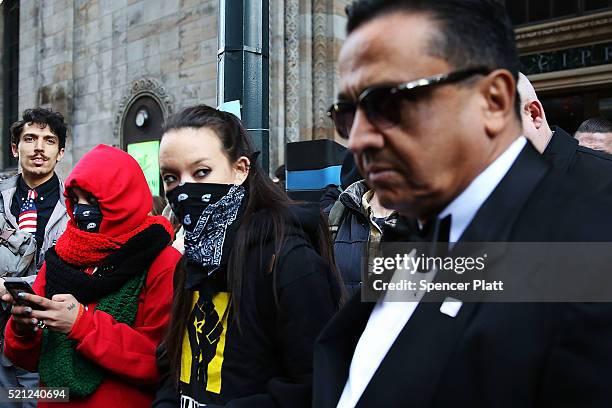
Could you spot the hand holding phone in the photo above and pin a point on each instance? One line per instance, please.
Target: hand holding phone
(24, 322)
(32, 312)
(14, 286)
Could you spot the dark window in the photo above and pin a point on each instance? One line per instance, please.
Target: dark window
(605, 108)
(143, 123)
(539, 10)
(10, 66)
(517, 10)
(590, 5)
(566, 111)
(564, 8)
(569, 109)
(532, 11)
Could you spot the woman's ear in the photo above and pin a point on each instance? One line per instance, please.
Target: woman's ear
(241, 169)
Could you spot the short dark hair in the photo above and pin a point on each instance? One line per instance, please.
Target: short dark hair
(474, 33)
(595, 125)
(41, 116)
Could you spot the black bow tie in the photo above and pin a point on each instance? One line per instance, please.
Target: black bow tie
(433, 237)
(408, 230)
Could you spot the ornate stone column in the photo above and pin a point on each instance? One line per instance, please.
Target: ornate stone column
(323, 66)
(292, 71)
(305, 38)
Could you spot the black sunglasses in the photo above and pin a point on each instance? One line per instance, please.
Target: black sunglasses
(382, 104)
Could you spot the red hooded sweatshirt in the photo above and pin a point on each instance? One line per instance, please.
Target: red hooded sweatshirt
(126, 353)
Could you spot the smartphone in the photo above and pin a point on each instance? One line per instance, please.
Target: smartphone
(17, 285)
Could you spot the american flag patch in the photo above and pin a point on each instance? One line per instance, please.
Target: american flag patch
(28, 215)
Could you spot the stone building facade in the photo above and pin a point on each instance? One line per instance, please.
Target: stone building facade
(86, 58)
(305, 39)
(93, 60)
(566, 51)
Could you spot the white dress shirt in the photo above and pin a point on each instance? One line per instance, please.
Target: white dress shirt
(389, 318)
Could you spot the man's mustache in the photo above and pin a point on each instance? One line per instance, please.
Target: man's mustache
(369, 157)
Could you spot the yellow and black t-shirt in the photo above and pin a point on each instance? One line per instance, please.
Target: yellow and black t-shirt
(264, 358)
(204, 342)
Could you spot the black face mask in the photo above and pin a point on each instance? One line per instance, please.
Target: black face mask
(87, 217)
(210, 214)
(188, 201)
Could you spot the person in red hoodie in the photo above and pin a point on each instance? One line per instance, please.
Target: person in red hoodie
(105, 290)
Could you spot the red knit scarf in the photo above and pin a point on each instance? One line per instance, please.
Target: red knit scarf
(84, 249)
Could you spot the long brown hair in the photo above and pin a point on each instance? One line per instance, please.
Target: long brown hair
(263, 195)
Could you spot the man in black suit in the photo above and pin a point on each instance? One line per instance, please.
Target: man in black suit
(428, 102)
(560, 149)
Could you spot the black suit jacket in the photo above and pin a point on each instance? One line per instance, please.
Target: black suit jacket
(492, 354)
(591, 167)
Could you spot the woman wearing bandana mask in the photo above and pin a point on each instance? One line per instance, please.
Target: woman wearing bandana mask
(257, 281)
(105, 290)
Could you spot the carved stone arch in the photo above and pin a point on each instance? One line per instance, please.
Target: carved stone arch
(141, 88)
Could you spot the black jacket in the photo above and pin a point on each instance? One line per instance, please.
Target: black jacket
(267, 360)
(329, 197)
(352, 237)
(492, 354)
(593, 168)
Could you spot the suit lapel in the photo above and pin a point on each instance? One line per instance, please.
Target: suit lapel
(417, 358)
(334, 349)
(495, 218)
(561, 150)
(421, 352)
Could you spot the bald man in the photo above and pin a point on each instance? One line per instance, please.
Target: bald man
(559, 149)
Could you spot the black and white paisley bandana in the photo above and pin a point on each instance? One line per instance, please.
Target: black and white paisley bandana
(210, 214)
